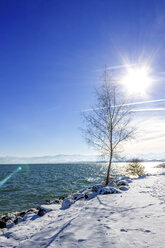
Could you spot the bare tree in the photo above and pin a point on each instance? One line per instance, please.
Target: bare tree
(108, 123)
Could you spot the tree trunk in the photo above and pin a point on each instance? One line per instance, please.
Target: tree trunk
(108, 171)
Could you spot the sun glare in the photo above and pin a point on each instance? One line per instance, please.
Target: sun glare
(137, 80)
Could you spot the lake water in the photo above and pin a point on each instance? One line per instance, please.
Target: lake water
(26, 186)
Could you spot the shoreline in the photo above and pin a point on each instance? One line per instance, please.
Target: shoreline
(102, 219)
(24, 197)
(10, 219)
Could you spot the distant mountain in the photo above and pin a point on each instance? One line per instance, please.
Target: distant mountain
(147, 156)
(62, 158)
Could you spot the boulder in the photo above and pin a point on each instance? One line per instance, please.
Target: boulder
(123, 188)
(109, 190)
(90, 195)
(112, 184)
(67, 202)
(97, 188)
(29, 215)
(12, 217)
(125, 178)
(41, 212)
(18, 220)
(77, 196)
(122, 183)
(22, 213)
(56, 201)
(9, 224)
(2, 224)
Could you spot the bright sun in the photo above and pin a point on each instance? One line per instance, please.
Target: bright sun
(137, 80)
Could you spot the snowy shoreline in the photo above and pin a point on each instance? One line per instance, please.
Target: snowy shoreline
(97, 217)
(8, 220)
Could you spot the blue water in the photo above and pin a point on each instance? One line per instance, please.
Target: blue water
(26, 186)
(31, 185)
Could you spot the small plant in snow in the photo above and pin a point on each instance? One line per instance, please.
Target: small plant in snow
(135, 168)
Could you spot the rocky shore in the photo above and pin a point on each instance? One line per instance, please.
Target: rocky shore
(115, 187)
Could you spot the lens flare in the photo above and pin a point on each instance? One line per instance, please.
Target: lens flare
(25, 169)
(2, 182)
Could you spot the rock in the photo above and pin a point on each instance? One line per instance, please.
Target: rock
(112, 184)
(97, 187)
(90, 195)
(12, 217)
(77, 196)
(122, 183)
(109, 190)
(67, 203)
(127, 179)
(41, 212)
(34, 210)
(22, 213)
(123, 230)
(56, 201)
(61, 197)
(123, 188)
(2, 224)
(86, 196)
(4, 218)
(9, 224)
(106, 190)
(18, 220)
(29, 215)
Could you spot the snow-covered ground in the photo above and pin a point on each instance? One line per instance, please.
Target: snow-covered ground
(134, 218)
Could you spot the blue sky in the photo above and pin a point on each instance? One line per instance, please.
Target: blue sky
(52, 55)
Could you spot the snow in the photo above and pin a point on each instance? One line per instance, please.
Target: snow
(133, 218)
(161, 165)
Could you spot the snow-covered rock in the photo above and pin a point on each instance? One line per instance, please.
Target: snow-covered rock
(12, 216)
(18, 220)
(41, 212)
(90, 195)
(126, 178)
(97, 188)
(77, 196)
(112, 184)
(67, 202)
(122, 183)
(109, 190)
(47, 208)
(123, 188)
(9, 224)
(29, 215)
